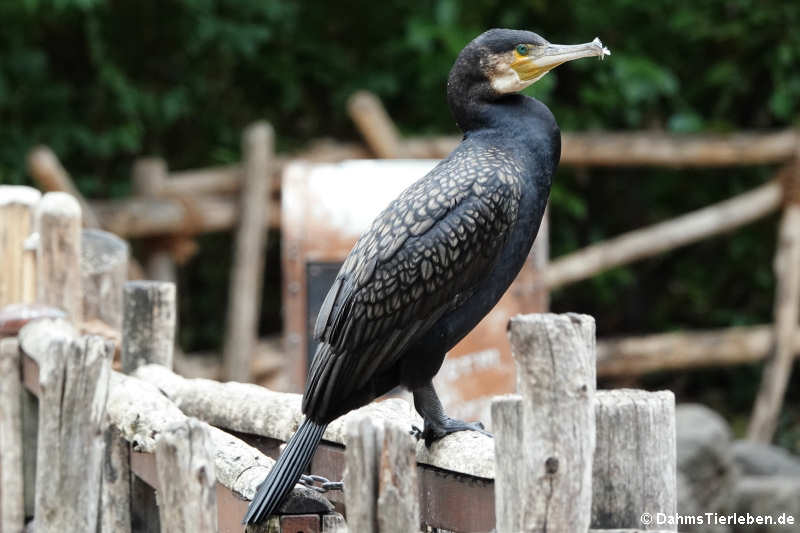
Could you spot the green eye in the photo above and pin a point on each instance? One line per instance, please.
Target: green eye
(522, 49)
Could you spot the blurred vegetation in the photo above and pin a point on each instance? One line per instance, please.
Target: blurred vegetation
(105, 81)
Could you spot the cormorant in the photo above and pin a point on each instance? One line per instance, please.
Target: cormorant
(440, 256)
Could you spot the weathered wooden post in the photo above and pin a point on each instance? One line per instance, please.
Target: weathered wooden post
(185, 466)
(244, 300)
(545, 438)
(104, 267)
(380, 478)
(148, 180)
(58, 268)
(73, 377)
(17, 204)
(148, 332)
(635, 459)
(12, 504)
(148, 324)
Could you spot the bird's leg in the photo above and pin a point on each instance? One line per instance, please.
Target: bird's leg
(437, 423)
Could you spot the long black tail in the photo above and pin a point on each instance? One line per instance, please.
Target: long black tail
(287, 470)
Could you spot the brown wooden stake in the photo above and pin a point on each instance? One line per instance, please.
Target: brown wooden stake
(555, 360)
(778, 368)
(149, 178)
(148, 324)
(187, 484)
(12, 504)
(50, 176)
(104, 268)
(17, 204)
(664, 236)
(244, 300)
(58, 268)
(74, 381)
(376, 127)
(635, 460)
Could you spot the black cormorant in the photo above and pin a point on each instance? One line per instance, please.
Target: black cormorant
(440, 256)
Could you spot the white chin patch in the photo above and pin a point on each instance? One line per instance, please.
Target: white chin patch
(507, 81)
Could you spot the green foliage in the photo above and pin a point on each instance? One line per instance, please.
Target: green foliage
(105, 81)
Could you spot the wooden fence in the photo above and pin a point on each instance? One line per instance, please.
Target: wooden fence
(170, 207)
(85, 439)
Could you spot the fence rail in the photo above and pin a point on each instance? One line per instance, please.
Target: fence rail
(104, 439)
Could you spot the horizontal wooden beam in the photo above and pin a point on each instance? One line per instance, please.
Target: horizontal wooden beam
(665, 236)
(631, 356)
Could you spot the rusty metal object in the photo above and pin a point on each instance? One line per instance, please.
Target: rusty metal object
(321, 221)
(301, 523)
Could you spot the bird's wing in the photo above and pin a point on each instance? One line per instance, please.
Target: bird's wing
(423, 255)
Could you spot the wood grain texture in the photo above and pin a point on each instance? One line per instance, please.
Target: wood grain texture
(58, 267)
(17, 205)
(555, 360)
(74, 379)
(187, 484)
(148, 324)
(634, 468)
(398, 493)
(363, 438)
(12, 503)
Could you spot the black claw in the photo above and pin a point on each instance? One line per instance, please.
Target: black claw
(416, 432)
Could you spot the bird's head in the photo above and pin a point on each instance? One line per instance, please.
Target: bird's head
(511, 60)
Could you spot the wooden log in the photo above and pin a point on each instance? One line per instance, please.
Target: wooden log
(247, 408)
(362, 451)
(555, 360)
(777, 371)
(398, 494)
(664, 236)
(50, 176)
(115, 492)
(632, 356)
(104, 270)
(58, 268)
(244, 295)
(12, 501)
(73, 380)
(144, 217)
(187, 484)
(17, 204)
(634, 469)
(660, 149)
(644, 148)
(378, 130)
(148, 324)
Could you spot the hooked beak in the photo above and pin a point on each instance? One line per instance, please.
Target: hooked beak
(544, 58)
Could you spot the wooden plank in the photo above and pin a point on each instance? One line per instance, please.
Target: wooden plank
(634, 469)
(12, 489)
(665, 236)
(115, 492)
(555, 359)
(148, 325)
(58, 269)
(17, 204)
(362, 449)
(185, 467)
(398, 493)
(246, 281)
